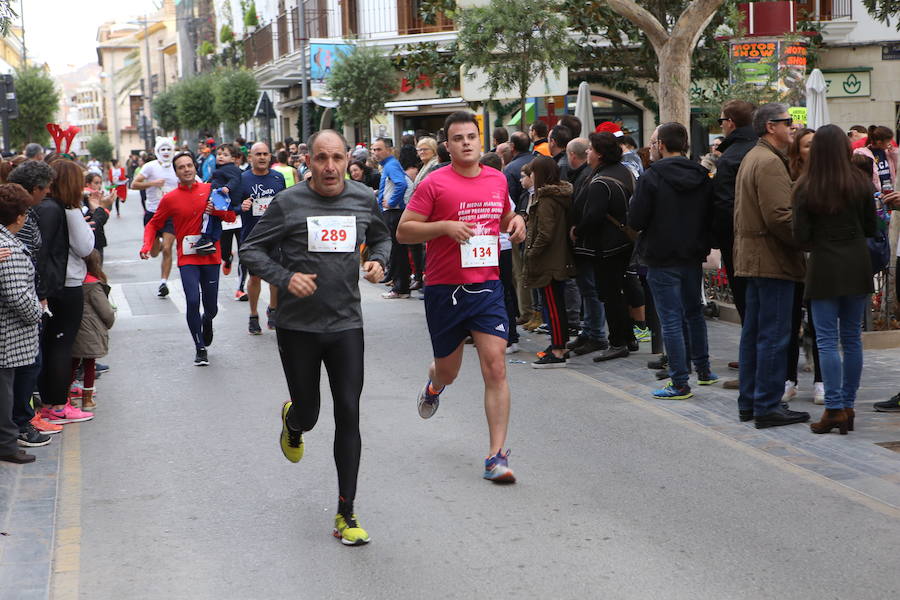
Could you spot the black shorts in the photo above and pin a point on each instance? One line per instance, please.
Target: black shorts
(168, 227)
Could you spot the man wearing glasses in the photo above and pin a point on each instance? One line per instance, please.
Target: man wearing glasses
(765, 254)
(739, 139)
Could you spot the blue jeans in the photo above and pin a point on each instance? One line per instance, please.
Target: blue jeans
(676, 293)
(833, 317)
(594, 327)
(764, 342)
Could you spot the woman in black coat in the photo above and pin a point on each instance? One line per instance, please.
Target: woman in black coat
(833, 214)
(608, 193)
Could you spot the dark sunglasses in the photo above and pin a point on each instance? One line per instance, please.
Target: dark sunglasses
(788, 121)
(722, 120)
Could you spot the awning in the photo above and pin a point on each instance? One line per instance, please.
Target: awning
(402, 105)
(530, 109)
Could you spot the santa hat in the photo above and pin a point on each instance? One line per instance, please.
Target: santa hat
(610, 127)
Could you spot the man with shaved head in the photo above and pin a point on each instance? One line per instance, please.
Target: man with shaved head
(316, 228)
(259, 184)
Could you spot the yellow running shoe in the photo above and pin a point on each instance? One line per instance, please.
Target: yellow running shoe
(349, 531)
(291, 441)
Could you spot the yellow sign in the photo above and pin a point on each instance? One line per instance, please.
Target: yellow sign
(480, 118)
(798, 113)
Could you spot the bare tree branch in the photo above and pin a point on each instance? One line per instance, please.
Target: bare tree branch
(644, 19)
(694, 19)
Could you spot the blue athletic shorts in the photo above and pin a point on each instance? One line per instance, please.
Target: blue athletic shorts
(454, 311)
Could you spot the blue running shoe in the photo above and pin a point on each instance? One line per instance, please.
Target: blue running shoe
(671, 392)
(428, 403)
(496, 469)
(641, 334)
(707, 378)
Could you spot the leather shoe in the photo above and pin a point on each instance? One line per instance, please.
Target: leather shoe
(611, 353)
(20, 457)
(734, 365)
(745, 415)
(732, 384)
(780, 416)
(660, 363)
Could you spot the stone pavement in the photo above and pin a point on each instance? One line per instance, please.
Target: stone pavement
(855, 460)
(27, 520)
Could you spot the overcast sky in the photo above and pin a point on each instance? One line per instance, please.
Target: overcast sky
(63, 33)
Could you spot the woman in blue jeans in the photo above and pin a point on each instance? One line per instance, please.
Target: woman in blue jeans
(834, 213)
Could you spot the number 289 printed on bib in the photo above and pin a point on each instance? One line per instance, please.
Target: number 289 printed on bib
(331, 233)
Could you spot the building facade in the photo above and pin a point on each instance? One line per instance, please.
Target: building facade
(139, 59)
(861, 63)
(274, 51)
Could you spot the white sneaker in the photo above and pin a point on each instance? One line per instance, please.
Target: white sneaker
(819, 396)
(512, 348)
(790, 391)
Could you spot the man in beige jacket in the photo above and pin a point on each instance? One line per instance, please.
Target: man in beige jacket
(765, 253)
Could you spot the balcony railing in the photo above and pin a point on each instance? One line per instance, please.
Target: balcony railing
(362, 19)
(825, 10)
(282, 26)
(258, 47)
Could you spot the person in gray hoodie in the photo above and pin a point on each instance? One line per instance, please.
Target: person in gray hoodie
(672, 207)
(307, 243)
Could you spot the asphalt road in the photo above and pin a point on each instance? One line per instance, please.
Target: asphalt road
(184, 492)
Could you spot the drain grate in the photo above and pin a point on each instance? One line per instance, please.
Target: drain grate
(895, 446)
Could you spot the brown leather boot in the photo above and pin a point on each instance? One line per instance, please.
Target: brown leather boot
(87, 399)
(851, 414)
(831, 418)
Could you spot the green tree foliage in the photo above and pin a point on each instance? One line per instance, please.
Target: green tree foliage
(884, 11)
(194, 103)
(627, 61)
(165, 109)
(431, 61)
(38, 101)
(100, 147)
(236, 93)
(7, 14)
(361, 82)
(248, 10)
(514, 42)
(226, 34)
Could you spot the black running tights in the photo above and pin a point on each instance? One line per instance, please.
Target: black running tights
(56, 344)
(302, 355)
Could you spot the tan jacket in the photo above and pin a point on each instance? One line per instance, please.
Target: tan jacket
(92, 340)
(764, 245)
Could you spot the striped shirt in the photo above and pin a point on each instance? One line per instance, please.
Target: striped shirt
(30, 236)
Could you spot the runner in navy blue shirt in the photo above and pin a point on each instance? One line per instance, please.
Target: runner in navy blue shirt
(259, 184)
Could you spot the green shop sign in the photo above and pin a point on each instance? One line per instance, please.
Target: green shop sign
(848, 83)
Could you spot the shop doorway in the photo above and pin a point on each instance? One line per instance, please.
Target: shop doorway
(428, 124)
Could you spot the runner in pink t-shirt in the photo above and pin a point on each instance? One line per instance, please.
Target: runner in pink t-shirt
(460, 211)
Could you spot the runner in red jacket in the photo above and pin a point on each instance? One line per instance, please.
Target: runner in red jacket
(186, 206)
